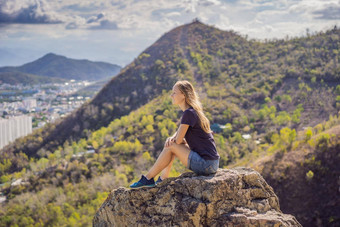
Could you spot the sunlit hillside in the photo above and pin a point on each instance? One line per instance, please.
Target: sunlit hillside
(265, 101)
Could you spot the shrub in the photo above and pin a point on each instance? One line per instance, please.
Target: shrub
(278, 98)
(323, 140)
(308, 134)
(313, 79)
(338, 89)
(227, 131)
(309, 175)
(267, 99)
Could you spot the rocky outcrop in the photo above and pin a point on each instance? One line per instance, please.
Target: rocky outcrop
(231, 197)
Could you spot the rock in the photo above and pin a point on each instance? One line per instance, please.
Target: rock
(231, 197)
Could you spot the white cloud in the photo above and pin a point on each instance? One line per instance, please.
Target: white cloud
(129, 26)
(330, 11)
(30, 12)
(172, 14)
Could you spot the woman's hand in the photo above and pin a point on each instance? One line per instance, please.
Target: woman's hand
(169, 141)
(184, 141)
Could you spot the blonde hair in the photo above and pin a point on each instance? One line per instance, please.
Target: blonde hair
(192, 99)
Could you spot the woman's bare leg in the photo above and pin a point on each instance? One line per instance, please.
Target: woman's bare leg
(166, 171)
(180, 150)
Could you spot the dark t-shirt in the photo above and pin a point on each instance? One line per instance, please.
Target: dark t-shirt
(198, 140)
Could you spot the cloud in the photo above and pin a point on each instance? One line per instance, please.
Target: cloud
(190, 6)
(77, 7)
(28, 12)
(101, 21)
(129, 26)
(75, 22)
(209, 2)
(72, 25)
(106, 24)
(331, 12)
(160, 13)
(173, 14)
(95, 18)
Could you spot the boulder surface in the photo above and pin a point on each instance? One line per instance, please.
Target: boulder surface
(230, 197)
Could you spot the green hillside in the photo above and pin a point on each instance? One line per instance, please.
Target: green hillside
(269, 90)
(73, 187)
(303, 169)
(254, 86)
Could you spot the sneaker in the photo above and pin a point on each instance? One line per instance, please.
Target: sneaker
(159, 180)
(143, 182)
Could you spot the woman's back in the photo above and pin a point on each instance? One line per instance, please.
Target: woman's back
(198, 140)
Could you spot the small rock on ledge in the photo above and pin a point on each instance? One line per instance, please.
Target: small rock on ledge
(231, 197)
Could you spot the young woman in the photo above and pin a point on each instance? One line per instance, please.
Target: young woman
(193, 142)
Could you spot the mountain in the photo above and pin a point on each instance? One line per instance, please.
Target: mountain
(270, 91)
(52, 65)
(235, 197)
(251, 85)
(25, 78)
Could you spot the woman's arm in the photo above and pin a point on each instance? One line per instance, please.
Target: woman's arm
(174, 135)
(183, 128)
(170, 139)
(173, 139)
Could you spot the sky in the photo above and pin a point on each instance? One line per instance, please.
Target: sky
(117, 31)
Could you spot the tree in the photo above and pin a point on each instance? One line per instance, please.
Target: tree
(5, 165)
(308, 134)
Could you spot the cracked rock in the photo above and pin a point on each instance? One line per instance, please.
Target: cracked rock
(231, 197)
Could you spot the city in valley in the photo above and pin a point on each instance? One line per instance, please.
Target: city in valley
(24, 108)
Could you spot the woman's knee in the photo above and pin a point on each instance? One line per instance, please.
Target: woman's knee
(174, 146)
(167, 150)
(179, 149)
(176, 149)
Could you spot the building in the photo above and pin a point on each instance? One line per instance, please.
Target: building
(29, 103)
(13, 128)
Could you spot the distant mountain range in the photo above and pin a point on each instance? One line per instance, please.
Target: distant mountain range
(52, 65)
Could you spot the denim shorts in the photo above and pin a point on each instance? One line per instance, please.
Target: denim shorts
(201, 166)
